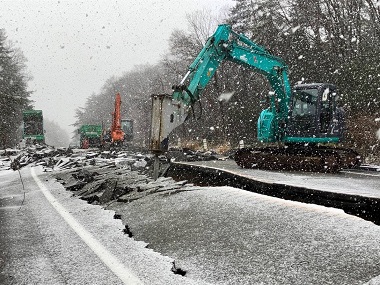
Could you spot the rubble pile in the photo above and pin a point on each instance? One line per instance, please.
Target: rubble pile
(5, 163)
(186, 154)
(107, 183)
(101, 176)
(37, 154)
(67, 158)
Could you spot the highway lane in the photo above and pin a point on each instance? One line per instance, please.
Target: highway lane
(226, 235)
(219, 235)
(51, 238)
(37, 246)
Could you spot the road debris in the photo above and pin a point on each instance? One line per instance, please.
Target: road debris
(101, 177)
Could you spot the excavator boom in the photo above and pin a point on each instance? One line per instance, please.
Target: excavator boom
(117, 134)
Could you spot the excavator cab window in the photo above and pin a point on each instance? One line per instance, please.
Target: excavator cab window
(305, 102)
(327, 108)
(127, 126)
(303, 112)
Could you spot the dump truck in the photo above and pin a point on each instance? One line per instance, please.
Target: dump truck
(33, 126)
(90, 136)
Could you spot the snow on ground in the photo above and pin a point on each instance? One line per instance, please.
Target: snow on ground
(224, 235)
(151, 267)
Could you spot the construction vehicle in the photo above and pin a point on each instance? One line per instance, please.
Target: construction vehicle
(121, 130)
(90, 136)
(304, 124)
(33, 127)
(117, 133)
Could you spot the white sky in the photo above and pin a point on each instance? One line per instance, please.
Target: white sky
(73, 47)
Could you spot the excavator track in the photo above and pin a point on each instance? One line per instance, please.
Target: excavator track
(317, 158)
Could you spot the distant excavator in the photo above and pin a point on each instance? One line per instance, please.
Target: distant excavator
(304, 123)
(115, 135)
(121, 131)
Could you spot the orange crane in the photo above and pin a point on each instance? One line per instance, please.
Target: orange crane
(117, 133)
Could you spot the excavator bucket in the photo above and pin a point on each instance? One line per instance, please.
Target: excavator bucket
(167, 114)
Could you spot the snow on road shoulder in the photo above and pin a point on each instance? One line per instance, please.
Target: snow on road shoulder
(151, 267)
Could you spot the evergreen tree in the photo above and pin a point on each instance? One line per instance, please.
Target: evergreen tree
(14, 96)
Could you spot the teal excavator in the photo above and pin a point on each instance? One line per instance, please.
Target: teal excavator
(302, 125)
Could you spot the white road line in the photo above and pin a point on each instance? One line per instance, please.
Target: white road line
(108, 259)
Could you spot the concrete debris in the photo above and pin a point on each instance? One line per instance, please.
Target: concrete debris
(39, 155)
(101, 177)
(101, 185)
(5, 163)
(67, 158)
(191, 155)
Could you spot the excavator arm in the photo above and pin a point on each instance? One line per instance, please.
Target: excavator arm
(224, 45)
(117, 134)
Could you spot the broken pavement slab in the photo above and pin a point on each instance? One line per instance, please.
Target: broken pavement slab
(101, 176)
(105, 184)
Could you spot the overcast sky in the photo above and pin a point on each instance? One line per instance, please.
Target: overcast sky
(73, 47)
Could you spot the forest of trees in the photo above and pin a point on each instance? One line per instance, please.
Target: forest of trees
(15, 98)
(335, 41)
(14, 94)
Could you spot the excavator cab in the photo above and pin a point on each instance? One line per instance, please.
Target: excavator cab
(314, 114)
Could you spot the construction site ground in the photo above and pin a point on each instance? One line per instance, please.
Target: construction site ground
(298, 228)
(221, 234)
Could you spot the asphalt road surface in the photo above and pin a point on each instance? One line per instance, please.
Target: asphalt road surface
(218, 235)
(46, 237)
(225, 235)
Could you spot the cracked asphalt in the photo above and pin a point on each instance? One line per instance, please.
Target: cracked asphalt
(224, 235)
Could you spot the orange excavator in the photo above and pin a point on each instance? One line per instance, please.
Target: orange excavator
(117, 133)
